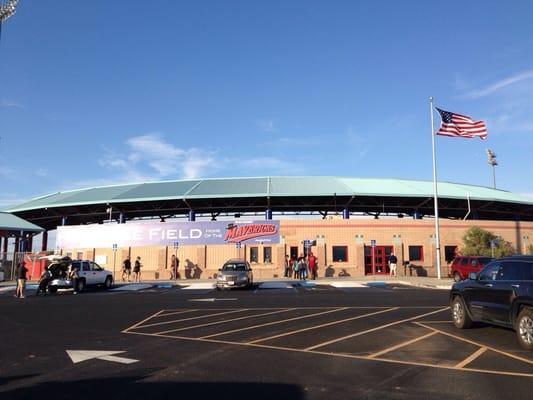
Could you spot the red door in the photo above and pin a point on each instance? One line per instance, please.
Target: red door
(376, 260)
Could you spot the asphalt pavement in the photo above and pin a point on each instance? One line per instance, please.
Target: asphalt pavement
(299, 342)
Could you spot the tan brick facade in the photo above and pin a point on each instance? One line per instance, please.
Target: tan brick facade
(354, 235)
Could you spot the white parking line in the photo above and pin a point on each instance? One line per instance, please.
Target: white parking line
(399, 346)
(342, 355)
(373, 329)
(192, 318)
(224, 321)
(274, 322)
(322, 325)
(477, 344)
(144, 320)
(471, 357)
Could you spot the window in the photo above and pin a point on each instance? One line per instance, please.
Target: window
(267, 255)
(513, 271)
(340, 253)
(416, 253)
(449, 253)
(254, 254)
(490, 272)
(85, 266)
(464, 261)
(95, 267)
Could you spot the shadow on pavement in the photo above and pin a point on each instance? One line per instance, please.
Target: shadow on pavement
(134, 387)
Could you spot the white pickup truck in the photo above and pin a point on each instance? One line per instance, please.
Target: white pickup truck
(91, 274)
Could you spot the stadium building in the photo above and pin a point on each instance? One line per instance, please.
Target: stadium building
(350, 224)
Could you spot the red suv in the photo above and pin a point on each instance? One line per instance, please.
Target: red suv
(463, 265)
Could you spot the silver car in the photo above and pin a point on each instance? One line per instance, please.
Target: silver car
(235, 273)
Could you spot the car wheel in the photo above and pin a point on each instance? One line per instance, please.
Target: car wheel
(456, 276)
(524, 328)
(460, 316)
(80, 286)
(52, 289)
(108, 282)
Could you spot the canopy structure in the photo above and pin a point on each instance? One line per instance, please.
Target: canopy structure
(10, 223)
(304, 194)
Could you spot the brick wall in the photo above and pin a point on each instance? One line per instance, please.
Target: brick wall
(355, 234)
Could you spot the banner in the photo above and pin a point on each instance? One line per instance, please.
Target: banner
(166, 234)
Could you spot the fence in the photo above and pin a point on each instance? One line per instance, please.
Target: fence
(35, 263)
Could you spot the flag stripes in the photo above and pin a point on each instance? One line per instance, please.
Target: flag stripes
(458, 125)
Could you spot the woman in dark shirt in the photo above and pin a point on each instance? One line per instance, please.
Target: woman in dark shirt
(21, 272)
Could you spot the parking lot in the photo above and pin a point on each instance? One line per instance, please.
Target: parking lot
(421, 336)
(305, 342)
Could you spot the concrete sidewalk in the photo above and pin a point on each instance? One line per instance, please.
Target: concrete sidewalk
(416, 281)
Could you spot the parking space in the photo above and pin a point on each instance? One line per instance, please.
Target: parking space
(422, 336)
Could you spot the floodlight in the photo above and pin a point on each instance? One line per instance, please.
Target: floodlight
(7, 10)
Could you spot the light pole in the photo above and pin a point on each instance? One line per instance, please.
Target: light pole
(7, 10)
(491, 158)
(115, 248)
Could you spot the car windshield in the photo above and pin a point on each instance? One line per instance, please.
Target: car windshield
(234, 267)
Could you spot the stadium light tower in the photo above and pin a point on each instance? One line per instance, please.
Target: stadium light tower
(7, 9)
(491, 158)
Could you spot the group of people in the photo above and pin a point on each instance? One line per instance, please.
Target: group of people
(126, 270)
(302, 267)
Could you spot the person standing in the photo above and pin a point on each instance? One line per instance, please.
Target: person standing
(288, 266)
(20, 273)
(393, 262)
(295, 266)
(137, 270)
(75, 276)
(313, 265)
(126, 269)
(302, 268)
(175, 264)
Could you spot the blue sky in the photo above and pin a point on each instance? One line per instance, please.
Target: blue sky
(104, 92)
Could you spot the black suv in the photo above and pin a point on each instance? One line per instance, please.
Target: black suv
(500, 294)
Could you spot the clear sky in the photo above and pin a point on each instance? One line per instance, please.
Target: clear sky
(102, 92)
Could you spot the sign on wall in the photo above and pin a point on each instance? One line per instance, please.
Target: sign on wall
(167, 233)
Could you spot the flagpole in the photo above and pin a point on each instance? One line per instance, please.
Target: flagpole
(435, 193)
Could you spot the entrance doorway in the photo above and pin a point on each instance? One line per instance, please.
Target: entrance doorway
(376, 262)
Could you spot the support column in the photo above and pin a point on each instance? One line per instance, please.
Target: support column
(268, 214)
(346, 214)
(6, 242)
(44, 242)
(63, 221)
(30, 242)
(192, 216)
(121, 218)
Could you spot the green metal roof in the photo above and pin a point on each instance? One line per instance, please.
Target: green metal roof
(10, 222)
(306, 186)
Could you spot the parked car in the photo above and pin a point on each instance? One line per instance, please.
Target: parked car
(461, 266)
(235, 273)
(501, 294)
(91, 274)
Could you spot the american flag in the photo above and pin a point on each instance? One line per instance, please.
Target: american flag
(454, 124)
